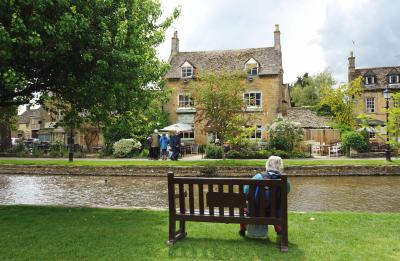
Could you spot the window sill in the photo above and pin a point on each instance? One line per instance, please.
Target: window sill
(185, 110)
(254, 109)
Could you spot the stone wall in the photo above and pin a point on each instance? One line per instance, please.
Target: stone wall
(353, 170)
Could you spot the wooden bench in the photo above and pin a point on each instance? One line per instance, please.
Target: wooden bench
(221, 200)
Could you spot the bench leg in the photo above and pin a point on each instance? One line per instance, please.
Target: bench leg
(172, 232)
(284, 240)
(182, 227)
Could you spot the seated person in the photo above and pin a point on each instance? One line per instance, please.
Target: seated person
(274, 166)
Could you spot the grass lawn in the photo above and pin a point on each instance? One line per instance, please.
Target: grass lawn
(253, 163)
(51, 233)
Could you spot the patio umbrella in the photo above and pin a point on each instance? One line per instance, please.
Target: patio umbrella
(178, 127)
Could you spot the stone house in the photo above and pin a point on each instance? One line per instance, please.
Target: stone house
(372, 102)
(41, 124)
(265, 97)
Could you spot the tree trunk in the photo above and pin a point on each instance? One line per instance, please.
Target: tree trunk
(5, 136)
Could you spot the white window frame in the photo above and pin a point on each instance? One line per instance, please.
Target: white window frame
(187, 72)
(369, 80)
(397, 78)
(187, 135)
(257, 134)
(186, 102)
(247, 100)
(370, 105)
(372, 135)
(251, 67)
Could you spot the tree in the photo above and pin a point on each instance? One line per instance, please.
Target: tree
(92, 57)
(8, 118)
(393, 125)
(218, 98)
(285, 134)
(306, 90)
(341, 100)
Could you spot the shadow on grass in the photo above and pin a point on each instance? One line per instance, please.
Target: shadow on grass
(232, 249)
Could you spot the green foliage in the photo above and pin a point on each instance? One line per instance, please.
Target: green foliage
(306, 91)
(354, 140)
(209, 171)
(213, 151)
(126, 148)
(393, 125)
(37, 152)
(219, 102)
(284, 134)
(264, 154)
(341, 100)
(57, 149)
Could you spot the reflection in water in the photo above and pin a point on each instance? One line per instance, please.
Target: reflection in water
(377, 194)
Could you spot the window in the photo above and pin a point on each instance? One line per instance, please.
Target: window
(372, 135)
(187, 72)
(187, 135)
(369, 80)
(393, 78)
(252, 67)
(256, 134)
(252, 99)
(185, 101)
(370, 102)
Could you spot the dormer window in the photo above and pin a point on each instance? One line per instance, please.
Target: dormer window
(394, 78)
(187, 70)
(369, 79)
(252, 67)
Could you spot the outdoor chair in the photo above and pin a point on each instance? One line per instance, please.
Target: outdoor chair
(334, 150)
(195, 148)
(315, 149)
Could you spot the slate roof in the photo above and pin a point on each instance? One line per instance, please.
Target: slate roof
(307, 118)
(381, 73)
(270, 60)
(32, 113)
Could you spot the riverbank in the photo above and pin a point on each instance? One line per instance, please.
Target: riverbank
(52, 233)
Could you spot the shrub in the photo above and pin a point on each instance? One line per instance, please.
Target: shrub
(285, 134)
(126, 148)
(57, 149)
(213, 151)
(209, 171)
(264, 154)
(37, 152)
(355, 140)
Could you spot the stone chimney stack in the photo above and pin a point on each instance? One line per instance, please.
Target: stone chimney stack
(352, 66)
(277, 38)
(175, 43)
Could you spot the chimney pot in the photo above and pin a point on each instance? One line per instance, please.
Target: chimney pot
(175, 43)
(277, 38)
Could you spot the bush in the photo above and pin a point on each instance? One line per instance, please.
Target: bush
(37, 152)
(57, 149)
(126, 148)
(355, 140)
(285, 134)
(264, 154)
(209, 171)
(213, 151)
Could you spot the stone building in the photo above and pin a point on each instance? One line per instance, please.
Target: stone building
(266, 96)
(372, 103)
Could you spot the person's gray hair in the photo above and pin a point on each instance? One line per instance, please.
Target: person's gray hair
(274, 163)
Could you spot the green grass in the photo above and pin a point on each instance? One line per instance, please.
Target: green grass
(51, 233)
(253, 163)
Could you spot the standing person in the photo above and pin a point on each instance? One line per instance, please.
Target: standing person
(148, 146)
(164, 141)
(175, 143)
(273, 166)
(155, 144)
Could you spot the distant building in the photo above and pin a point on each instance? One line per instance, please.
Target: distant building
(372, 103)
(266, 96)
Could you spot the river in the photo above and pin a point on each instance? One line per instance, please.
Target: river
(339, 193)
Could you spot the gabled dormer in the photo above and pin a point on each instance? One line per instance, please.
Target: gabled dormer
(393, 76)
(187, 70)
(252, 67)
(370, 78)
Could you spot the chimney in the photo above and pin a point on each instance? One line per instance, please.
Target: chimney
(277, 38)
(352, 66)
(175, 43)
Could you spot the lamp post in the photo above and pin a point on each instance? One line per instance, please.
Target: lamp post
(386, 95)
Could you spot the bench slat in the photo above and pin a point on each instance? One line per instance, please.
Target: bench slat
(231, 209)
(227, 181)
(221, 190)
(181, 199)
(211, 189)
(272, 196)
(226, 219)
(201, 199)
(241, 209)
(191, 199)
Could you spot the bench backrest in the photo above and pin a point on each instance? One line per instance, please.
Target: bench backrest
(223, 200)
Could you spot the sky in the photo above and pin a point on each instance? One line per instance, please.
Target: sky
(315, 34)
